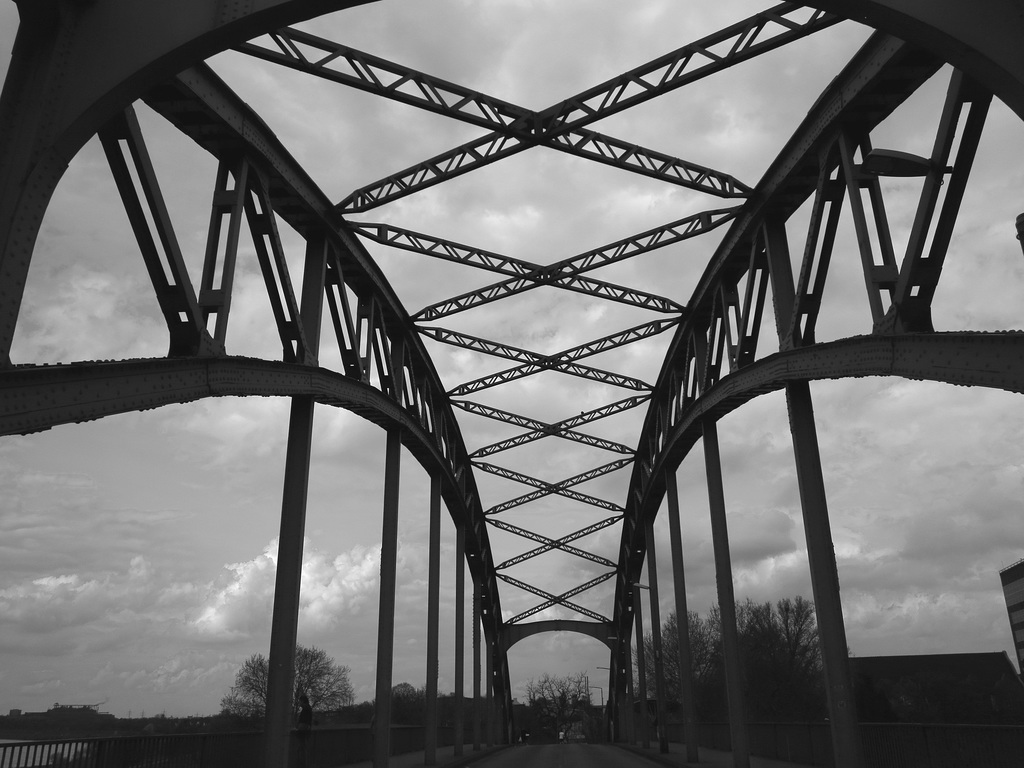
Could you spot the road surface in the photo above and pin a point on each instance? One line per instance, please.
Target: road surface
(563, 756)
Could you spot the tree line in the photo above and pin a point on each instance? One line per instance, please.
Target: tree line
(328, 686)
(780, 668)
(780, 661)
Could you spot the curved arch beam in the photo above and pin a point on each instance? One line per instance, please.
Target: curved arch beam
(38, 398)
(993, 360)
(603, 631)
(982, 39)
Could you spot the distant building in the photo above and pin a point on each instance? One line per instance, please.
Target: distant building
(980, 688)
(1013, 592)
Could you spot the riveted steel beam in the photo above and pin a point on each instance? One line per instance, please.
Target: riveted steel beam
(558, 126)
(559, 488)
(552, 544)
(564, 362)
(546, 489)
(330, 60)
(540, 429)
(620, 250)
(427, 245)
(128, 157)
(562, 599)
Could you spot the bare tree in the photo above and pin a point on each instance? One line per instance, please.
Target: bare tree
(558, 701)
(780, 660)
(316, 675)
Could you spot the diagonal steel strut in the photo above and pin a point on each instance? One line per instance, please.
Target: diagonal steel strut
(339, 63)
(583, 532)
(564, 361)
(540, 429)
(620, 250)
(417, 242)
(551, 543)
(562, 599)
(516, 128)
(560, 488)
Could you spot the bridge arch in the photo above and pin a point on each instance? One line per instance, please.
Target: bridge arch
(513, 633)
(82, 97)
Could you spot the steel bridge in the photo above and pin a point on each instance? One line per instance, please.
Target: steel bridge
(80, 67)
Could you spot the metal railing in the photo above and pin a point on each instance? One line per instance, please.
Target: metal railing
(324, 748)
(886, 745)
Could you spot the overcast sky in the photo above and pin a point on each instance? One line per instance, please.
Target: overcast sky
(139, 550)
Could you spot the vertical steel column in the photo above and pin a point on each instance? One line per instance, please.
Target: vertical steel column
(821, 557)
(612, 702)
(682, 622)
(628, 718)
(284, 625)
(661, 730)
(460, 638)
(476, 666)
(386, 614)
(281, 666)
(641, 667)
(726, 599)
(489, 695)
(846, 743)
(433, 608)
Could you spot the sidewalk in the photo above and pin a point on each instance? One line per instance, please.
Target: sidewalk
(708, 757)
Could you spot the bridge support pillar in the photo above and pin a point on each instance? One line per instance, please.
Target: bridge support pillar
(726, 599)
(476, 666)
(386, 614)
(284, 625)
(489, 696)
(682, 622)
(641, 667)
(460, 639)
(846, 744)
(433, 609)
(659, 665)
(629, 717)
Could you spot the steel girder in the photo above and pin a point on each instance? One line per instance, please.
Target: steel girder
(711, 368)
(58, 95)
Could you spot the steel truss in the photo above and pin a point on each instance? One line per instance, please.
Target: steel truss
(59, 94)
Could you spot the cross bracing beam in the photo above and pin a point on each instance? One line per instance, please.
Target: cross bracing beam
(339, 63)
(565, 361)
(560, 488)
(428, 245)
(343, 64)
(540, 429)
(558, 126)
(744, 40)
(532, 360)
(627, 248)
(562, 599)
(519, 501)
(551, 543)
(583, 532)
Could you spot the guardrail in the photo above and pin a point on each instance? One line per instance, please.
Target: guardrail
(325, 748)
(886, 745)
